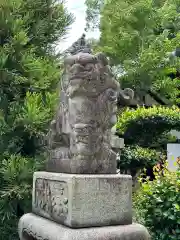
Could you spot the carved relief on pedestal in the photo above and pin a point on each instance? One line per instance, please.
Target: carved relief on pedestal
(51, 197)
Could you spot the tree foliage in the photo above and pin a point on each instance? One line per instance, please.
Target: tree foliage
(134, 158)
(93, 12)
(29, 74)
(139, 36)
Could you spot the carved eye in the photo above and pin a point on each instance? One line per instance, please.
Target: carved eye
(112, 95)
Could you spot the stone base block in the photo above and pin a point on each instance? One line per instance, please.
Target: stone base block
(83, 200)
(32, 227)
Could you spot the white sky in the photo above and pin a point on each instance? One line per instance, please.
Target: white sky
(77, 7)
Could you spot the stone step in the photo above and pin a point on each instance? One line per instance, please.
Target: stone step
(32, 227)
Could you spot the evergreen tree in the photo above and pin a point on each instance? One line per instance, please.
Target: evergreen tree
(29, 72)
(139, 36)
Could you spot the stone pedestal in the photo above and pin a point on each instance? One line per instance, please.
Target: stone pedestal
(78, 200)
(32, 227)
(76, 206)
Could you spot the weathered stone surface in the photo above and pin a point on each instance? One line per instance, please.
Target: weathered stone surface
(80, 135)
(80, 139)
(32, 227)
(83, 200)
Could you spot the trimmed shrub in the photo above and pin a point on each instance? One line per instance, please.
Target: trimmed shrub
(146, 125)
(157, 204)
(134, 158)
(146, 133)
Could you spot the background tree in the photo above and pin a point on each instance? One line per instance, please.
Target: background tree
(141, 39)
(29, 31)
(139, 36)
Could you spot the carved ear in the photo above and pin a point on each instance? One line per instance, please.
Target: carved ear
(125, 96)
(129, 92)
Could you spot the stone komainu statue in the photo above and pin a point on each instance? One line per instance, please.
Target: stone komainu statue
(80, 135)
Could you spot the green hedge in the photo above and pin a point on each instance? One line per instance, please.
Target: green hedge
(146, 125)
(157, 205)
(135, 158)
